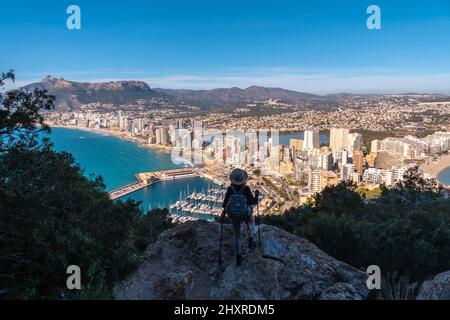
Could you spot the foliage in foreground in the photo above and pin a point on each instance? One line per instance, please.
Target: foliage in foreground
(394, 287)
(52, 216)
(405, 231)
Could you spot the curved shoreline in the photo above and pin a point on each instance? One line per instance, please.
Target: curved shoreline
(121, 135)
(140, 143)
(437, 168)
(440, 173)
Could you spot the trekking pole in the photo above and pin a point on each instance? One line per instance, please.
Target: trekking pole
(220, 245)
(259, 220)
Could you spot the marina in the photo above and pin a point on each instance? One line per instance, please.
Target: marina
(205, 204)
(196, 204)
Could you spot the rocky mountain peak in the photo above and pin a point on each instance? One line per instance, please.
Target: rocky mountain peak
(56, 83)
(71, 94)
(49, 79)
(183, 264)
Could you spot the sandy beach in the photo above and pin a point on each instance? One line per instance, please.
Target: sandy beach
(119, 134)
(435, 168)
(140, 142)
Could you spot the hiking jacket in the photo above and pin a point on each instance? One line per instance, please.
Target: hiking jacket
(251, 200)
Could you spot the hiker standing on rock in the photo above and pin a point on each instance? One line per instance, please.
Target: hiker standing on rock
(237, 205)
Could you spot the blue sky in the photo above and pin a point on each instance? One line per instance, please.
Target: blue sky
(315, 46)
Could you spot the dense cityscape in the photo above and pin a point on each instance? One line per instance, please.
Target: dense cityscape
(365, 144)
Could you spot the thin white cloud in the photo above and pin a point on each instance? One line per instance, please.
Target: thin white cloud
(320, 84)
(14, 85)
(364, 80)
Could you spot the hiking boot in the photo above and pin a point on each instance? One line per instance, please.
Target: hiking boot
(251, 243)
(239, 259)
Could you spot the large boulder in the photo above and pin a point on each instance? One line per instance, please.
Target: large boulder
(183, 263)
(436, 289)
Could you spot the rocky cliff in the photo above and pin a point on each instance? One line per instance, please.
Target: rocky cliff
(70, 94)
(437, 288)
(183, 264)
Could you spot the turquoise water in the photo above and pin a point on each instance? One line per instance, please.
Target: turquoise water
(444, 177)
(165, 193)
(118, 160)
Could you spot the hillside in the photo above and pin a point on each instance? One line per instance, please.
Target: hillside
(70, 94)
(225, 96)
(183, 264)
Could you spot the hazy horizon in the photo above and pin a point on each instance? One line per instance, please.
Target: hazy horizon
(18, 83)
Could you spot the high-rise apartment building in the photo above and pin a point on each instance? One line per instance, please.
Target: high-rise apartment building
(347, 171)
(375, 145)
(314, 181)
(325, 160)
(339, 138)
(385, 160)
(370, 159)
(286, 168)
(358, 161)
(355, 143)
(296, 144)
(311, 140)
(162, 136)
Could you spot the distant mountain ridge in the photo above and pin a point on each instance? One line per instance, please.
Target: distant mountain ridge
(236, 95)
(71, 94)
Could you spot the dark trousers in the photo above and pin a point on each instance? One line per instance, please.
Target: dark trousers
(237, 234)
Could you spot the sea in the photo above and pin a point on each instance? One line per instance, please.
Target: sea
(444, 177)
(117, 160)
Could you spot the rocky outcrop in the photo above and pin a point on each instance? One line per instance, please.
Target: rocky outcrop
(436, 289)
(183, 263)
(70, 95)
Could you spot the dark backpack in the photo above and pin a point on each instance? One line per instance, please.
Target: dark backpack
(237, 207)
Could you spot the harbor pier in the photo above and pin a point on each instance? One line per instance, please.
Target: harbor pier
(146, 179)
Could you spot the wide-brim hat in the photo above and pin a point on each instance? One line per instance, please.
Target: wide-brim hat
(238, 177)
